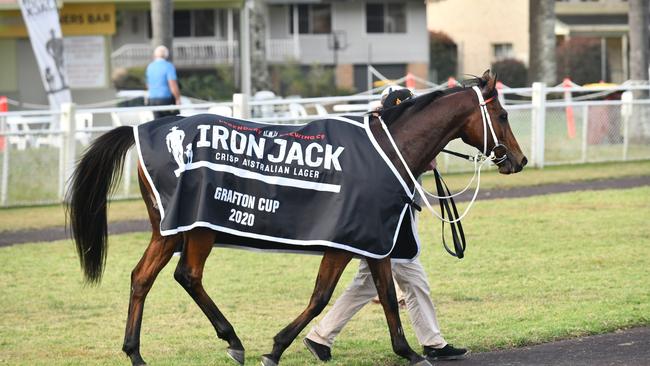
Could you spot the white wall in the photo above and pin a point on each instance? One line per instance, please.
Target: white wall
(349, 16)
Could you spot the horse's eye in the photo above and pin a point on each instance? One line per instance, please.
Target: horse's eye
(503, 117)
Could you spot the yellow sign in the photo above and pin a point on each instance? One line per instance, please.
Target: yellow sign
(76, 20)
(87, 19)
(11, 24)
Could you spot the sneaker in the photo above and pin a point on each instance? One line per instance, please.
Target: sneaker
(319, 351)
(447, 352)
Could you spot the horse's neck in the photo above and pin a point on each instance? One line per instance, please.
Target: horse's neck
(421, 135)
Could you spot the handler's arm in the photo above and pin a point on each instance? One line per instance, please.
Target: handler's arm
(173, 86)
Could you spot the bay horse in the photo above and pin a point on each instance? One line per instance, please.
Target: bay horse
(421, 128)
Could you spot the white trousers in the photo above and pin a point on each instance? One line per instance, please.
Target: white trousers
(413, 281)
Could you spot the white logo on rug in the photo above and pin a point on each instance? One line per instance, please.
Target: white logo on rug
(182, 156)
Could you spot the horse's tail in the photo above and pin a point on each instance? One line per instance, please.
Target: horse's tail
(94, 178)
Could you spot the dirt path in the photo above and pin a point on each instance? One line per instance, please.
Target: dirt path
(622, 348)
(120, 227)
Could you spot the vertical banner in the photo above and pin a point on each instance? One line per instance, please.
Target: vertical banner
(42, 20)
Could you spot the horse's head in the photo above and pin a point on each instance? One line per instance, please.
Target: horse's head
(493, 135)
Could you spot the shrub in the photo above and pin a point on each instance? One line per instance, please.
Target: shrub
(217, 84)
(579, 59)
(443, 57)
(307, 81)
(511, 72)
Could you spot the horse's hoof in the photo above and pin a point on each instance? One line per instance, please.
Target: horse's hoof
(267, 361)
(236, 354)
(422, 362)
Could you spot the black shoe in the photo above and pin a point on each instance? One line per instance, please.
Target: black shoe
(319, 351)
(447, 352)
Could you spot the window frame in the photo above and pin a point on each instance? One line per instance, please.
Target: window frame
(385, 17)
(309, 18)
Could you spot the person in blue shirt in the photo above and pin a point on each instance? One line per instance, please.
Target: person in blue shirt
(162, 82)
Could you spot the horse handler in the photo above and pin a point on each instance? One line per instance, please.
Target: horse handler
(410, 277)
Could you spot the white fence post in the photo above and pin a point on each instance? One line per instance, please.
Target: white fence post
(68, 148)
(585, 132)
(626, 113)
(240, 106)
(538, 123)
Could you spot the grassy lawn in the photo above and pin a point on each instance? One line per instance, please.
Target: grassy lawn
(21, 218)
(536, 269)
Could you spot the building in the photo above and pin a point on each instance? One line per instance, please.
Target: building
(486, 32)
(103, 37)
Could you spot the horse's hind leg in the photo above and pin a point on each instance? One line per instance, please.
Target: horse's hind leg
(331, 268)
(382, 275)
(189, 273)
(155, 257)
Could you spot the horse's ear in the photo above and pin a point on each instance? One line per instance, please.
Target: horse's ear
(488, 83)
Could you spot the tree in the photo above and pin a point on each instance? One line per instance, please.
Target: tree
(260, 79)
(162, 24)
(579, 59)
(511, 72)
(541, 15)
(638, 23)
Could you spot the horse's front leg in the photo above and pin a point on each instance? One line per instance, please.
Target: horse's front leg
(189, 274)
(331, 268)
(155, 257)
(383, 277)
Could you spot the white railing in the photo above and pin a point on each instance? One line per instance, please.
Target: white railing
(186, 53)
(282, 50)
(39, 148)
(198, 52)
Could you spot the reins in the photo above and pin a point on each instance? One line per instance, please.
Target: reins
(447, 204)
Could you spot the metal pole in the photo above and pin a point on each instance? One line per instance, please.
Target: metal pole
(244, 47)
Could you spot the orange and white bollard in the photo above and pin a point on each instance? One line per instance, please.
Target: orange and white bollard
(4, 107)
(570, 119)
(410, 81)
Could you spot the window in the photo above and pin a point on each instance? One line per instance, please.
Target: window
(312, 18)
(199, 23)
(386, 18)
(182, 23)
(203, 23)
(502, 51)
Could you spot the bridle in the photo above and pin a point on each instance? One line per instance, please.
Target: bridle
(487, 123)
(479, 160)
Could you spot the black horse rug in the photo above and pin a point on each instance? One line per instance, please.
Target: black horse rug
(279, 187)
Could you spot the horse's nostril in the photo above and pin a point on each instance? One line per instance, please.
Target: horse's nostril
(524, 161)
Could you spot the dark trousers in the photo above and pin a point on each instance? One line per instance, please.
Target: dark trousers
(163, 101)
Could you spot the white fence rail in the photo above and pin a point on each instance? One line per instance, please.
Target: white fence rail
(38, 149)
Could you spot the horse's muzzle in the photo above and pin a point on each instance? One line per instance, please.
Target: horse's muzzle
(512, 165)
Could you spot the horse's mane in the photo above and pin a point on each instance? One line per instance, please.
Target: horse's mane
(391, 114)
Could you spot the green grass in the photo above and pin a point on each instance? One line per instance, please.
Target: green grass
(21, 218)
(537, 269)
